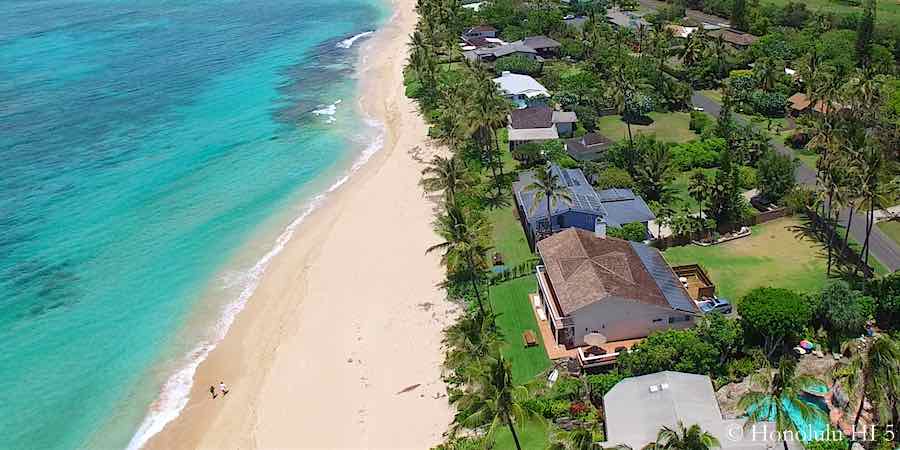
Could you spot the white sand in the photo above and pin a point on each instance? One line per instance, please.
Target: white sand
(348, 315)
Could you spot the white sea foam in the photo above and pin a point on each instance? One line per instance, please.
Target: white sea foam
(176, 390)
(347, 43)
(328, 111)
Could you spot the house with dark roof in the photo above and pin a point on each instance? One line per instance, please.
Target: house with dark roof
(480, 31)
(615, 207)
(532, 47)
(589, 147)
(738, 39)
(539, 123)
(544, 46)
(596, 290)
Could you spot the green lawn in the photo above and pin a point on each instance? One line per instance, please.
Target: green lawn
(510, 301)
(532, 436)
(508, 237)
(680, 187)
(669, 127)
(809, 158)
(890, 228)
(771, 256)
(887, 12)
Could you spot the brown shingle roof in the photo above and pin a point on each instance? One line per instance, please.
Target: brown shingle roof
(735, 37)
(532, 117)
(585, 269)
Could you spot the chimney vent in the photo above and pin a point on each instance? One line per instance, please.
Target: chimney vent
(600, 228)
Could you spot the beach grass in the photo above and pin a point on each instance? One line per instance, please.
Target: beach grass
(668, 127)
(532, 435)
(771, 256)
(891, 228)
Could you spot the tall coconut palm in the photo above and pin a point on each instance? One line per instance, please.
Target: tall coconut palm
(872, 167)
(447, 175)
(699, 189)
(767, 71)
(872, 374)
(579, 438)
(464, 248)
(683, 438)
(470, 339)
(547, 187)
(695, 47)
(779, 392)
(492, 400)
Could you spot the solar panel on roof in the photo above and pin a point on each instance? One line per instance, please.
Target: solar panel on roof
(615, 195)
(664, 277)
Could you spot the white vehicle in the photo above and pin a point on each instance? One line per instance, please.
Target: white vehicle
(698, 108)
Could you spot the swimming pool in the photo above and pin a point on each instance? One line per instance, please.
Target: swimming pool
(811, 430)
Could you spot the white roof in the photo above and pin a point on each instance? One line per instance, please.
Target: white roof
(516, 84)
(533, 134)
(564, 117)
(637, 407)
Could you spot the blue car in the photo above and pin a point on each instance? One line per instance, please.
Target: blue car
(721, 305)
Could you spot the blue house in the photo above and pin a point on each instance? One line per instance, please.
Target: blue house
(589, 207)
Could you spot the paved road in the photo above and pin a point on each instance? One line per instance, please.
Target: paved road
(881, 247)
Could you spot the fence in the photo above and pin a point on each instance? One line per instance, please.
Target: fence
(843, 251)
(767, 216)
(524, 269)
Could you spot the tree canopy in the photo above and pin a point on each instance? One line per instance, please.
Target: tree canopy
(773, 315)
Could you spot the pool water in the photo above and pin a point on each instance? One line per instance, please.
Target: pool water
(810, 430)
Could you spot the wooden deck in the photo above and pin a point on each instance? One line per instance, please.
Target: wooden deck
(556, 351)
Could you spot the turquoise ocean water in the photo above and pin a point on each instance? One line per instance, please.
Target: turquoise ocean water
(153, 156)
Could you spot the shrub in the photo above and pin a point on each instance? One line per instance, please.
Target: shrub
(773, 315)
(699, 121)
(518, 64)
(704, 153)
(568, 388)
(797, 140)
(578, 409)
(769, 104)
(630, 232)
(678, 350)
(738, 369)
(747, 177)
(559, 408)
(614, 177)
(776, 176)
(600, 384)
(538, 405)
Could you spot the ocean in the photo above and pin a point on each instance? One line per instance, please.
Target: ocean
(154, 156)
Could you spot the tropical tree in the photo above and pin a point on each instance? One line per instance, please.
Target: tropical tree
(699, 188)
(683, 438)
(546, 186)
(655, 171)
(872, 374)
(469, 340)
(778, 394)
(464, 247)
(579, 438)
(447, 175)
(492, 400)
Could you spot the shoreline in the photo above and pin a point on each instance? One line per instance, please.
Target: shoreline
(279, 337)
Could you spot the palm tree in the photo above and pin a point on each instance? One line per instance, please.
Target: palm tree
(447, 175)
(464, 248)
(699, 189)
(579, 438)
(780, 393)
(873, 374)
(493, 400)
(654, 172)
(767, 71)
(695, 47)
(471, 338)
(683, 438)
(719, 47)
(546, 186)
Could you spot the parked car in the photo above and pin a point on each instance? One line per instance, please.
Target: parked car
(721, 305)
(698, 108)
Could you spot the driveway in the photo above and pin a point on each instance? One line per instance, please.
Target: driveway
(881, 247)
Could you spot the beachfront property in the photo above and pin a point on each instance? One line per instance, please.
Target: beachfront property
(480, 31)
(487, 50)
(589, 147)
(615, 207)
(538, 124)
(522, 90)
(670, 398)
(599, 295)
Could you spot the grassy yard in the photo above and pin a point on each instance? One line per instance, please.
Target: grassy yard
(508, 237)
(890, 228)
(680, 187)
(669, 127)
(807, 157)
(887, 12)
(532, 436)
(771, 256)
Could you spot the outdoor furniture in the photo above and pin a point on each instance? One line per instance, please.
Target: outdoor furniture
(595, 351)
(530, 339)
(498, 259)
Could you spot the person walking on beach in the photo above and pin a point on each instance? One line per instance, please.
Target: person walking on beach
(223, 388)
(212, 391)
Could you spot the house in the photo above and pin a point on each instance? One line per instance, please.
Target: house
(668, 398)
(596, 289)
(539, 123)
(737, 39)
(544, 46)
(488, 54)
(681, 32)
(576, 22)
(521, 89)
(625, 19)
(589, 147)
(800, 103)
(480, 31)
(617, 207)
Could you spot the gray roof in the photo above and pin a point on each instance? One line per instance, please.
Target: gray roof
(532, 134)
(589, 147)
(636, 408)
(624, 206)
(617, 206)
(540, 42)
(665, 278)
(625, 19)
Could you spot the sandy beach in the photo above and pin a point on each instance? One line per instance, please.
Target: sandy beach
(348, 317)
